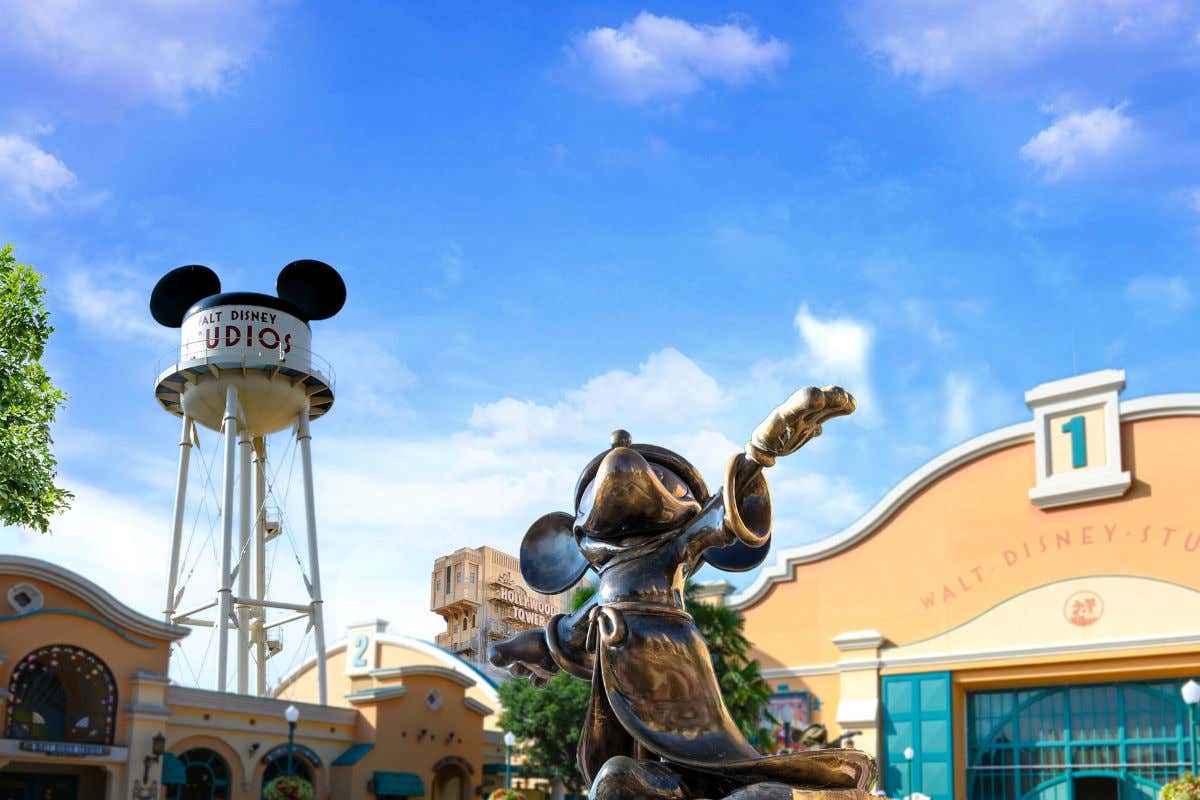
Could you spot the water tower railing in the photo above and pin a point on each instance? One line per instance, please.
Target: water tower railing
(298, 358)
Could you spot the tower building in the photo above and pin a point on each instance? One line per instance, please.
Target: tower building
(482, 597)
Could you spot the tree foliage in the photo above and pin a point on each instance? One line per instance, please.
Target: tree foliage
(28, 401)
(547, 723)
(745, 691)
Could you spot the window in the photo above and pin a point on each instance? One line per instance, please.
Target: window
(472, 574)
(439, 584)
(458, 574)
(447, 578)
(464, 622)
(207, 777)
(61, 693)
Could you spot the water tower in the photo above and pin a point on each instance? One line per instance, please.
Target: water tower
(245, 369)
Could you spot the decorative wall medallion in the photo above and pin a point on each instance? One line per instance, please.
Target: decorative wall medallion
(433, 699)
(1083, 608)
(24, 597)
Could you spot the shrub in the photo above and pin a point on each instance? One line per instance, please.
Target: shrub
(289, 787)
(1185, 787)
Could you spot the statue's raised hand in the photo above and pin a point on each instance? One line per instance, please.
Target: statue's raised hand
(795, 421)
(525, 655)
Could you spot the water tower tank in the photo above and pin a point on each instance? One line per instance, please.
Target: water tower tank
(257, 343)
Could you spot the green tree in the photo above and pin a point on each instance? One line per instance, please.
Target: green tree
(547, 723)
(28, 401)
(745, 691)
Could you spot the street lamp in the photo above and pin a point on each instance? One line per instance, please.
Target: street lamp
(909, 754)
(1191, 696)
(509, 740)
(292, 715)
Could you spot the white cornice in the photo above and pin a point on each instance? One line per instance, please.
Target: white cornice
(266, 707)
(858, 640)
(478, 707)
(450, 660)
(949, 658)
(423, 669)
(93, 595)
(1164, 405)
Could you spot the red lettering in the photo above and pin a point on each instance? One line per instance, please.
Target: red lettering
(1063, 538)
(927, 600)
(1167, 537)
(233, 335)
(262, 338)
(287, 343)
(963, 585)
(978, 574)
(1188, 544)
(947, 594)
(1085, 535)
(212, 338)
(1010, 557)
(1111, 531)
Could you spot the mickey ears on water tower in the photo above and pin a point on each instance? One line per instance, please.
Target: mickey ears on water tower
(312, 286)
(178, 290)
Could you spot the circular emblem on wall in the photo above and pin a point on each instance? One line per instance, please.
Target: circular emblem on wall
(1083, 608)
(433, 699)
(24, 597)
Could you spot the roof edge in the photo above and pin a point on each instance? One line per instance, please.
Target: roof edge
(1163, 405)
(92, 594)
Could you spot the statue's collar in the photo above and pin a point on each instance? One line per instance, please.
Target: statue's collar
(602, 554)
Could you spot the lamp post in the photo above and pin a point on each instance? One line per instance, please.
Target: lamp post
(909, 754)
(292, 715)
(1191, 696)
(509, 740)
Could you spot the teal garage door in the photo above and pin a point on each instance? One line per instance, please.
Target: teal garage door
(1098, 741)
(916, 714)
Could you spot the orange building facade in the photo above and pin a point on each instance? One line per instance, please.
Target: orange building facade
(1014, 621)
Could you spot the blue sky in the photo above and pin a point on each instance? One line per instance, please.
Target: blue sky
(559, 219)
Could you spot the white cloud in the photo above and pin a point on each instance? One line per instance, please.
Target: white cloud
(390, 500)
(103, 56)
(30, 175)
(1079, 140)
(107, 306)
(652, 57)
(1191, 198)
(960, 400)
(1000, 41)
(838, 350)
(1158, 295)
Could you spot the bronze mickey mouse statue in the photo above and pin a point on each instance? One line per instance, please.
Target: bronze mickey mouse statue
(656, 725)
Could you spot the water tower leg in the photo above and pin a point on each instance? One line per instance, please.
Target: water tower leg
(229, 425)
(260, 559)
(310, 514)
(185, 453)
(243, 611)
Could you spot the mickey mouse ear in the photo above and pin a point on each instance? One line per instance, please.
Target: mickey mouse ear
(178, 290)
(551, 561)
(312, 286)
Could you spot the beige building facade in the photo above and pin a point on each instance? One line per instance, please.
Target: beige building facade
(86, 695)
(480, 594)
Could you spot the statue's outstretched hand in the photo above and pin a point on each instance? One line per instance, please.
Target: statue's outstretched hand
(525, 655)
(795, 421)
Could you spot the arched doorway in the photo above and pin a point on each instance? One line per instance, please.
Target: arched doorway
(451, 780)
(207, 777)
(61, 693)
(1097, 787)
